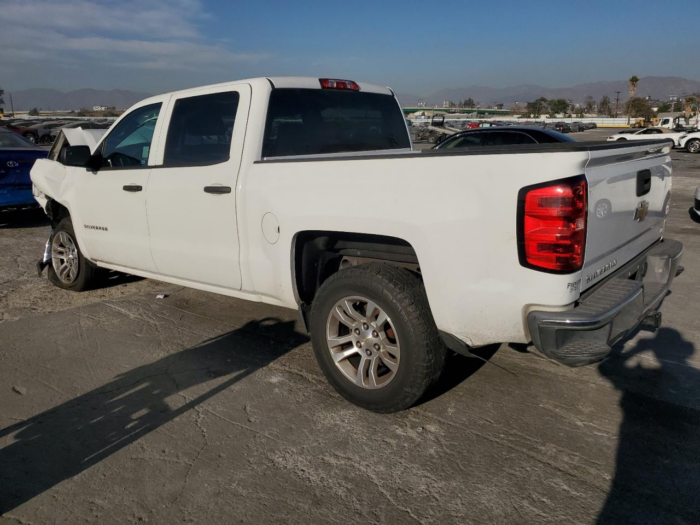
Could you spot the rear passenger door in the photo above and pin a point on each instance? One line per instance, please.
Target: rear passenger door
(191, 200)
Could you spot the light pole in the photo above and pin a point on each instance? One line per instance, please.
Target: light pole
(617, 102)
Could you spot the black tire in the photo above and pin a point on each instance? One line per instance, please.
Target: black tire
(31, 137)
(87, 272)
(693, 146)
(402, 296)
(618, 140)
(432, 139)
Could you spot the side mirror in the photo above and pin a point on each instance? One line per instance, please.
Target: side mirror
(75, 156)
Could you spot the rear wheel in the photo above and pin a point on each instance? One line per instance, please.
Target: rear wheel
(31, 137)
(375, 338)
(693, 146)
(69, 269)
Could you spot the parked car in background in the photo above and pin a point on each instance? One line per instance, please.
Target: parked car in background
(251, 189)
(17, 156)
(80, 124)
(690, 141)
(24, 129)
(503, 136)
(646, 134)
(41, 133)
(563, 127)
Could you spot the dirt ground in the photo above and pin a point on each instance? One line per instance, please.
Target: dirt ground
(119, 407)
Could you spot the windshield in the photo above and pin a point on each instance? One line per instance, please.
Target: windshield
(8, 139)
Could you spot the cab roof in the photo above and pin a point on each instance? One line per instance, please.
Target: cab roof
(284, 82)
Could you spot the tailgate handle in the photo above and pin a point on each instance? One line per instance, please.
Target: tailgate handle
(132, 187)
(217, 190)
(643, 182)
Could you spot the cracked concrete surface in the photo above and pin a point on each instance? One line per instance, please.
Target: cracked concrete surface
(205, 409)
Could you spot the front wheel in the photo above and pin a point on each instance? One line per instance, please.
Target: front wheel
(69, 269)
(31, 137)
(693, 146)
(375, 338)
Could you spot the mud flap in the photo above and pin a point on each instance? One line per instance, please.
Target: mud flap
(46, 258)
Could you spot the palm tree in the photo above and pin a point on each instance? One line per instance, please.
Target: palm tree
(632, 90)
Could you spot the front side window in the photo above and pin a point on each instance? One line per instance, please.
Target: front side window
(129, 143)
(470, 140)
(200, 130)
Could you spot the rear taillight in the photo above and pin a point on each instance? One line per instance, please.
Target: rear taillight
(330, 83)
(552, 225)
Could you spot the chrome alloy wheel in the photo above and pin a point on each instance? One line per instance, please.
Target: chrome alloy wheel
(64, 257)
(363, 342)
(694, 146)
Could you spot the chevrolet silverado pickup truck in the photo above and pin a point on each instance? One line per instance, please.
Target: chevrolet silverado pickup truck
(306, 193)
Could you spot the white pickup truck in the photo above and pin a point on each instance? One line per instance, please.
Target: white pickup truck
(306, 193)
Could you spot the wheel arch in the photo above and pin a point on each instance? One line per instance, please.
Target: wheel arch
(318, 254)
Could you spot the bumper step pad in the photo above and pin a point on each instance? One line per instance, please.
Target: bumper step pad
(586, 333)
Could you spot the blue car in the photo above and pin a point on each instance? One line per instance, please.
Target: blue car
(17, 156)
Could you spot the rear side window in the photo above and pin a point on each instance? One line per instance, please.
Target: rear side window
(9, 139)
(316, 121)
(551, 137)
(506, 138)
(129, 143)
(200, 130)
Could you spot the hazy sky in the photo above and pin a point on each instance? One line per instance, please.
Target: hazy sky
(416, 47)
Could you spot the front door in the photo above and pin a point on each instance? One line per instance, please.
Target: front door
(191, 199)
(111, 205)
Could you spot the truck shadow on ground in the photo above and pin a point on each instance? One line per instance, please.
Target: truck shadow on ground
(32, 218)
(458, 368)
(657, 472)
(693, 215)
(70, 438)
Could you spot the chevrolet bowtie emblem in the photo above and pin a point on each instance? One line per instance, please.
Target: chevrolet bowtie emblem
(640, 213)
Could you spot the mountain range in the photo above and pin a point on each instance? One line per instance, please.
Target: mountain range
(51, 99)
(658, 88)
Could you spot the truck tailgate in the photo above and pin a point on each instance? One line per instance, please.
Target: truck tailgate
(628, 193)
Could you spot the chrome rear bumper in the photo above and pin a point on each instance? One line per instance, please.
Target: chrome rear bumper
(586, 333)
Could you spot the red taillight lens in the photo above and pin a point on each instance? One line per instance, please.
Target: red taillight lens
(553, 226)
(331, 83)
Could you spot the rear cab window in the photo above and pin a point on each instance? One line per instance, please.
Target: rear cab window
(316, 121)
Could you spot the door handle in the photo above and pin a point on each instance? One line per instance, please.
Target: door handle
(217, 190)
(132, 187)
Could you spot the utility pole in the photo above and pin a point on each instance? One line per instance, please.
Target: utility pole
(617, 102)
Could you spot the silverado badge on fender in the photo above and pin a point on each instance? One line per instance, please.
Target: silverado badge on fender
(641, 212)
